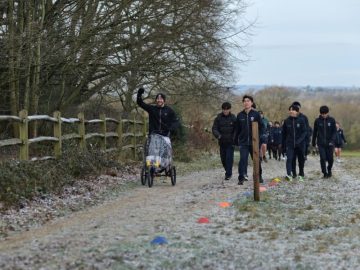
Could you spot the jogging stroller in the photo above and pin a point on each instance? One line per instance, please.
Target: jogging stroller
(157, 160)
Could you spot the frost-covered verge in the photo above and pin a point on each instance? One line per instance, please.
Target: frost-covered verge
(82, 194)
(299, 225)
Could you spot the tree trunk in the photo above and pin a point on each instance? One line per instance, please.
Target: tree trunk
(39, 12)
(12, 78)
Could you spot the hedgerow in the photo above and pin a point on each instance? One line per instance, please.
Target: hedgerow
(21, 180)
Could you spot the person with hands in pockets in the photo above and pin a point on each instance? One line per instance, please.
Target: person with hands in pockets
(294, 133)
(324, 135)
(243, 136)
(223, 129)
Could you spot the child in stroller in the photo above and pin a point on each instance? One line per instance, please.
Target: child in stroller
(157, 159)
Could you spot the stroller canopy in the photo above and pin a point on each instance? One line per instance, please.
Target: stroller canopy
(160, 151)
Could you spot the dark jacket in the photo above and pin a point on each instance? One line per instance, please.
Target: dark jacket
(340, 138)
(275, 135)
(309, 131)
(294, 132)
(265, 126)
(162, 120)
(224, 128)
(324, 132)
(243, 127)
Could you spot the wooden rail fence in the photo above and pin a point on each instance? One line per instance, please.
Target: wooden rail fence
(58, 137)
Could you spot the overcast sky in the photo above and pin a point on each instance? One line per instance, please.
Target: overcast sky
(303, 42)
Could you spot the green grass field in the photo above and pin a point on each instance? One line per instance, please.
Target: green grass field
(350, 153)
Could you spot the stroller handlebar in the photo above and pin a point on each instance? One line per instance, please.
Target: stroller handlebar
(160, 132)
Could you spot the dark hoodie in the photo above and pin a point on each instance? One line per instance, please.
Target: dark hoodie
(324, 132)
(294, 132)
(243, 127)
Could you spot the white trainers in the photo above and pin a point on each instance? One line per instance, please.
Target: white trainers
(288, 178)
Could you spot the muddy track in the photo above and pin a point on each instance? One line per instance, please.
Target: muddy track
(117, 233)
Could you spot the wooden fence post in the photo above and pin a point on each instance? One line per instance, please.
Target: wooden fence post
(256, 160)
(24, 135)
(57, 134)
(103, 130)
(81, 130)
(134, 137)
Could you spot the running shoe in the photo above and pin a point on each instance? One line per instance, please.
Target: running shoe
(241, 181)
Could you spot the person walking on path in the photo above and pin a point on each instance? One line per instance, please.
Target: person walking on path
(243, 136)
(162, 119)
(276, 140)
(294, 132)
(264, 136)
(308, 136)
(339, 142)
(324, 134)
(223, 129)
(269, 146)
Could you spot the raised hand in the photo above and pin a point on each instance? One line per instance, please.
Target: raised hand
(141, 91)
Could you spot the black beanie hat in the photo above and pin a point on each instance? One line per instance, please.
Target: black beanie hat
(297, 103)
(160, 95)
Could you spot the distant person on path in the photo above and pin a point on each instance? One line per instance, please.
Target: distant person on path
(264, 136)
(324, 135)
(308, 136)
(270, 140)
(294, 132)
(243, 136)
(283, 153)
(339, 142)
(223, 129)
(276, 140)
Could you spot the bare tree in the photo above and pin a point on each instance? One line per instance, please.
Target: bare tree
(274, 102)
(60, 53)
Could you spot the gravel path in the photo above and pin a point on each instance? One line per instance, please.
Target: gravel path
(308, 225)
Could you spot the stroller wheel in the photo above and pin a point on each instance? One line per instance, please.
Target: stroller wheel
(150, 177)
(143, 176)
(173, 175)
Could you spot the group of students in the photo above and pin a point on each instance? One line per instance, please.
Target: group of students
(292, 138)
(271, 140)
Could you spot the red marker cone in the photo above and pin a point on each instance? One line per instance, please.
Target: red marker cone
(203, 220)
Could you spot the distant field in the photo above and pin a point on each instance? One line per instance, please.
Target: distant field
(350, 153)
